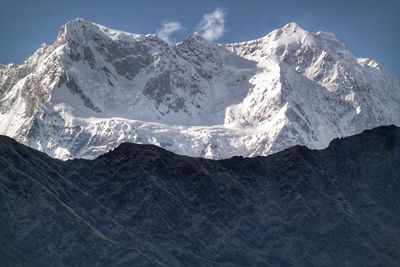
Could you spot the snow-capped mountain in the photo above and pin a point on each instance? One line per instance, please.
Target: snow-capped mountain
(96, 87)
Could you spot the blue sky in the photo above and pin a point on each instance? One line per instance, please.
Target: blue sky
(368, 28)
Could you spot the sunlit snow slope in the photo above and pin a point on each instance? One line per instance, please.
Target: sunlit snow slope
(96, 87)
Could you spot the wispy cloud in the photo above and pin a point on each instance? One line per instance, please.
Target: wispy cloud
(212, 26)
(168, 28)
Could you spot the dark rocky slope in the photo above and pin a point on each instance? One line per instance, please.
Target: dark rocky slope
(140, 205)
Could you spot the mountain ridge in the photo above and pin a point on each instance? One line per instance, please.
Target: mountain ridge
(96, 87)
(143, 205)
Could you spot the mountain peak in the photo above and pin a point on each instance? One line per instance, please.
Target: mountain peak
(82, 28)
(195, 37)
(291, 25)
(79, 23)
(292, 28)
(289, 33)
(76, 27)
(195, 41)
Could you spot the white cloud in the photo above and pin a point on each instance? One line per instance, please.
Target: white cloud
(212, 26)
(169, 28)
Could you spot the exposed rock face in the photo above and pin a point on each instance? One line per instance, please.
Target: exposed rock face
(96, 87)
(141, 205)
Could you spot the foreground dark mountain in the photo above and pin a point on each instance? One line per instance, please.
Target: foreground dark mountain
(141, 205)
